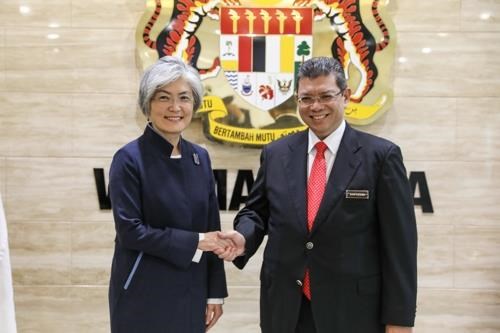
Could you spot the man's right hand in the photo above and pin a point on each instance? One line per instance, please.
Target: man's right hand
(238, 248)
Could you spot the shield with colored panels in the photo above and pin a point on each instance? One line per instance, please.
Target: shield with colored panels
(261, 50)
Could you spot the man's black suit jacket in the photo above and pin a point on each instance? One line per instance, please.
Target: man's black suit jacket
(362, 250)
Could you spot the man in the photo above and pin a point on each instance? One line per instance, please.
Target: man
(349, 265)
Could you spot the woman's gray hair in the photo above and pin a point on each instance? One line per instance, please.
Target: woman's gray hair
(165, 71)
(322, 66)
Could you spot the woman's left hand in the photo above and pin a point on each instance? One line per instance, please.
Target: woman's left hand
(214, 311)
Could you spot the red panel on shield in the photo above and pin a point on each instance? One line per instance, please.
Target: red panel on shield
(245, 52)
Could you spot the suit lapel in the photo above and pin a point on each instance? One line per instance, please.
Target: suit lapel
(295, 162)
(344, 167)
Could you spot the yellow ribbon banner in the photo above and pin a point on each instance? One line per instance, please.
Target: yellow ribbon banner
(215, 110)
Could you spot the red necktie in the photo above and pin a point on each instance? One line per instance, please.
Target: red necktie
(315, 189)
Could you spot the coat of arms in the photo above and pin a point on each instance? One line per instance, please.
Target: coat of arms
(248, 53)
(261, 49)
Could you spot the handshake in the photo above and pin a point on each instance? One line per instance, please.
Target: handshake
(226, 245)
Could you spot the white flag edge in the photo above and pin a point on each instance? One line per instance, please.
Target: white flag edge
(7, 308)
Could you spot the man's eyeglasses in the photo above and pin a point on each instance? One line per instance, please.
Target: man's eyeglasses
(322, 99)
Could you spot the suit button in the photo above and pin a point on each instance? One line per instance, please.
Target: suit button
(309, 245)
(299, 283)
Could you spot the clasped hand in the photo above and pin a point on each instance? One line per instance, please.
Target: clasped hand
(226, 245)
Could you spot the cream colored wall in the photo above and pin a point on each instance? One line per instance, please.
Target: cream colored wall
(67, 104)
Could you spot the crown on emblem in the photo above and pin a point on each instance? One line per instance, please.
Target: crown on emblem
(284, 85)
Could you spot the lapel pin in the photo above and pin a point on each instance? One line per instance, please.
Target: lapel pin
(196, 159)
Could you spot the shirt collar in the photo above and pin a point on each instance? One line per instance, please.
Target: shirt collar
(332, 141)
(164, 146)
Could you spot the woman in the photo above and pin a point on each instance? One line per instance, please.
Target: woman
(165, 210)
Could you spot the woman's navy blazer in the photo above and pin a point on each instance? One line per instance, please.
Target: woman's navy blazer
(160, 205)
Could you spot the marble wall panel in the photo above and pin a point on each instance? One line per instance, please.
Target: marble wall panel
(51, 81)
(478, 193)
(66, 60)
(103, 48)
(103, 123)
(105, 80)
(241, 311)
(50, 70)
(90, 310)
(478, 58)
(423, 131)
(85, 204)
(444, 65)
(435, 256)
(424, 65)
(66, 185)
(426, 15)
(2, 59)
(110, 14)
(40, 253)
(480, 15)
(31, 179)
(91, 252)
(58, 48)
(462, 193)
(36, 13)
(477, 264)
(458, 311)
(23, 37)
(38, 49)
(478, 138)
(35, 124)
(43, 309)
(226, 218)
(61, 309)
